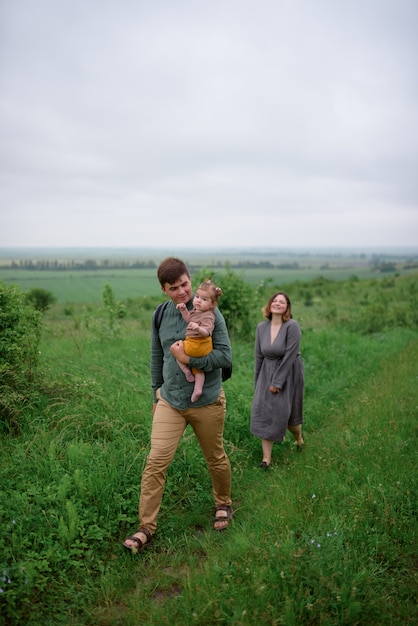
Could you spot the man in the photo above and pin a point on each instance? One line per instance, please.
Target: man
(173, 409)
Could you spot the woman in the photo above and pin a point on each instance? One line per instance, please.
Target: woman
(278, 377)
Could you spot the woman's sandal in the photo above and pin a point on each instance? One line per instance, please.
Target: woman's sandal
(264, 465)
(224, 519)
(140, 545)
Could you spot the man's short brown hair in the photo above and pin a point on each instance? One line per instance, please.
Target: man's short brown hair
(170, 270)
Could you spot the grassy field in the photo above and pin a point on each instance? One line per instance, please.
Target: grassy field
(86, 286)
(327, 537)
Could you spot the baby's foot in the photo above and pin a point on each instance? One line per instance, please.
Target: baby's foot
(196, 394)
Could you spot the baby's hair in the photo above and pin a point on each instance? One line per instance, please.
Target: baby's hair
(214, 291)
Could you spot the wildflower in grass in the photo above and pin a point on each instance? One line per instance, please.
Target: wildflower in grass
(317, 543)
(314, 496)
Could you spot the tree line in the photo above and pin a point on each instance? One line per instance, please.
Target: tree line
(379, 263)
(100, 264)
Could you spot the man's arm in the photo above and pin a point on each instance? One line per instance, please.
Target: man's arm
(157, 359)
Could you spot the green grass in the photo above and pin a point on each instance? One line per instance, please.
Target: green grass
(327, 536)
(86, 286)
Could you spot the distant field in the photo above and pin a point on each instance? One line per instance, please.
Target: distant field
(86, 286)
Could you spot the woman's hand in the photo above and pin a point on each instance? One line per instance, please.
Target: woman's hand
(274, 389)
(177, 350)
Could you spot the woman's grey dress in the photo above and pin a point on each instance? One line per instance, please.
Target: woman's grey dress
(278, 364)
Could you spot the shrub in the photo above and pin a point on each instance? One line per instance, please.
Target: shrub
(41, 299)
(20, 330)
(236, 303)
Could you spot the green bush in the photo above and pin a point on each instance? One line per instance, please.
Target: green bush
(236, 303)
(41, 299)
(20, 331)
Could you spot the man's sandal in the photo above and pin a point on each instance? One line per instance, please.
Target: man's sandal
(140, 545)
(224, 519)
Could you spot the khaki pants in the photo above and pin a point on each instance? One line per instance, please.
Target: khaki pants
(167, 429)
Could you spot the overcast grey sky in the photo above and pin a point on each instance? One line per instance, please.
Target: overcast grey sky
(191, 123)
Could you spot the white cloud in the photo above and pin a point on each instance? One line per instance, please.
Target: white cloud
(147, 124)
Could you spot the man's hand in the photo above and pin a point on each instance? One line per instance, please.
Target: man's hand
(177, 350)
(274, 389)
